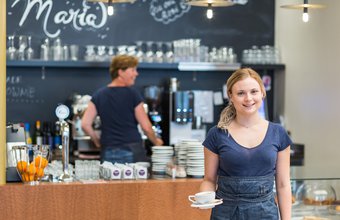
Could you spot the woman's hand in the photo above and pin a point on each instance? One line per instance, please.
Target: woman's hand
(158, 142)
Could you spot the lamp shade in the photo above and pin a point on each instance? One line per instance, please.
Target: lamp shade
(211, 3)
(301, 6)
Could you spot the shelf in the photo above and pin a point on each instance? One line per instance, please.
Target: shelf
(204, 66)
(279, 66)
(83, 64)
(181, 66)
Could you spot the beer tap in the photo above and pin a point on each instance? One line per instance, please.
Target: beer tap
(62, 113)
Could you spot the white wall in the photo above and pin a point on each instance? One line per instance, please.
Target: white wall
(311, 52)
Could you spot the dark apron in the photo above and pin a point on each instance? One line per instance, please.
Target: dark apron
(245, 198)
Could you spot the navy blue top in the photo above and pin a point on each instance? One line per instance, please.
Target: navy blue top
(116, 108)
(236, 160)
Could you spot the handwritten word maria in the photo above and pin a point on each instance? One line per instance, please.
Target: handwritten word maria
(79, 18)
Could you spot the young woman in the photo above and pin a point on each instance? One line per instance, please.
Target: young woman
(245, 153)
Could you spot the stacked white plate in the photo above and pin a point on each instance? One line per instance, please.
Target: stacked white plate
(195, 159)
(181, 151)
(161, 155)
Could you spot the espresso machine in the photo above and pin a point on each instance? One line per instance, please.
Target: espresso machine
(85, 148)
(152, 95)
(181, 122)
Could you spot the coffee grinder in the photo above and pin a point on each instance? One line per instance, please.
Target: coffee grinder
(152, 95)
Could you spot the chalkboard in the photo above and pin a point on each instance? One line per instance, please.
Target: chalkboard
(34, 92)
(83, 23)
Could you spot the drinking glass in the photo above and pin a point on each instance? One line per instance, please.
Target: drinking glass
(169, 54)
(66, 53)
(29, 50)
(74, 51)
(90, 53)
(140, 54)
(149, 55)
(22, 47)
(57, 49)
(195, 48)
(45, 49)
(159, 53)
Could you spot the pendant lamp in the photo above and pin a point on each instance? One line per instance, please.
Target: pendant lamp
(304, 7)
(210, 4)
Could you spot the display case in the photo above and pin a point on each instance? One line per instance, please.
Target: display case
(316, 199)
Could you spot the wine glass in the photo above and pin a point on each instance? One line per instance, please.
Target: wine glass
(11, 50)
(101, 53)
(131, 50)
(111, 52)
(121, 50)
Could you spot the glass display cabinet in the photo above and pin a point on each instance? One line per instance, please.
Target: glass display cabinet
(316, 199)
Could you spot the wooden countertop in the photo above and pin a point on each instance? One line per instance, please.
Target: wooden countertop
(123, 199)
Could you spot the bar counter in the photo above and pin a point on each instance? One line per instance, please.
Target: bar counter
(123, 199)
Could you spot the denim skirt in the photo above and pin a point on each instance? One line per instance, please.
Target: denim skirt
(245, 198)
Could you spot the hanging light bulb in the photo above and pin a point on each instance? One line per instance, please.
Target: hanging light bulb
(210, 13)
(305, 6)
(110, 9)
(305, 16)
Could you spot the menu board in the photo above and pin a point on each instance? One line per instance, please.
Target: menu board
(87, 23)
(84, 22)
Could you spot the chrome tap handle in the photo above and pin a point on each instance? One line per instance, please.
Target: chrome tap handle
(65, 140)
(62, 113)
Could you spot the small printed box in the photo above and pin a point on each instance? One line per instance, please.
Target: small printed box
(141, 172)
(127, 172)
(116, 173)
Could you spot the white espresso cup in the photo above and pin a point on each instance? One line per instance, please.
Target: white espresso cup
(203, 197)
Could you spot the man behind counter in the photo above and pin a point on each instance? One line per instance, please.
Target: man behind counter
(120, 108)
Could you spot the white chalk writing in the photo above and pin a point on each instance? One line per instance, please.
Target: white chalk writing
(20, 92)
(79, 18)
(13, 79)
(168, 11)
(15, 88)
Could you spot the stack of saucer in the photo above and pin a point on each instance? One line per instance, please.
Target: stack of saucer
(161, 155)
(195, 159)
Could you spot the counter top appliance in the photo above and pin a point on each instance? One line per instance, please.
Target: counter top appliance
(15, 136)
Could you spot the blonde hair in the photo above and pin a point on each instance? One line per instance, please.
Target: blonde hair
(229, 113)
(122, 62)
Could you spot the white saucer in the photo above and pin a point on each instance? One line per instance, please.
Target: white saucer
(208, 205)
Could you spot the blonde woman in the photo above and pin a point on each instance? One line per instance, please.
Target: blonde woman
(245, 153)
